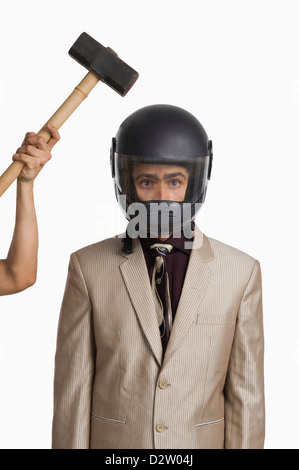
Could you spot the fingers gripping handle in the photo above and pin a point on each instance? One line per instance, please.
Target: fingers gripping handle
(59, 117)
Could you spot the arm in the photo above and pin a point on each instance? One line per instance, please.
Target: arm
(244, 389)
(18, 270)
(74, 365)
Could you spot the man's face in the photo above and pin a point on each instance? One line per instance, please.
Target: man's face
(160, 182)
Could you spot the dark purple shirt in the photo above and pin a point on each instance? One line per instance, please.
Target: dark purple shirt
(177, 262)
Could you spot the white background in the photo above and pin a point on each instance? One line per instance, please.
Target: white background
(235, 65)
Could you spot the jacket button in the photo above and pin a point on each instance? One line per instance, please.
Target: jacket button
(160, 427)
(163, 384)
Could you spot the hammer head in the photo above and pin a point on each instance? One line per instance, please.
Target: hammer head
(104, 62)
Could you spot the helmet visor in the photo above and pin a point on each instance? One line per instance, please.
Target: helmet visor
(141, 179)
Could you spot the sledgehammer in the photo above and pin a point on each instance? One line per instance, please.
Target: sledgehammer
(103, 64)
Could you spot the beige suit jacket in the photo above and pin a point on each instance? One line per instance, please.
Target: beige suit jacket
(113, 390)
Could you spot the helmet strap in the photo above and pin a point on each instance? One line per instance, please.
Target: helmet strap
(127, 244)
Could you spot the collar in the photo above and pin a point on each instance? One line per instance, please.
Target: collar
(176, 242)
(200, 244)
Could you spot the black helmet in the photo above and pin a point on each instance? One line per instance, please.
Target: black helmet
(162, 134)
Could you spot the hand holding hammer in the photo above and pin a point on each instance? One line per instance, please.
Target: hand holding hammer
(103, 64)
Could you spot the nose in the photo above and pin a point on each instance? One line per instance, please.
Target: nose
(162, 193)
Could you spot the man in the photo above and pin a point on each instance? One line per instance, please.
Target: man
(18, 270)
(160, 337)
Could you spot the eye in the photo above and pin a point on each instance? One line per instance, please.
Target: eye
(175, 183)
(146, 183)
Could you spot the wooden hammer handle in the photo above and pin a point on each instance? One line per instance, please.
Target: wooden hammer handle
(59, 117)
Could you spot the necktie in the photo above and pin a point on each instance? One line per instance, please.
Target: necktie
(160, 288)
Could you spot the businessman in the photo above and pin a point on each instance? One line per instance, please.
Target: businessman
(160, 335)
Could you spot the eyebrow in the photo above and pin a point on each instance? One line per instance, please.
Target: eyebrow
(174, 175)
(165, 177)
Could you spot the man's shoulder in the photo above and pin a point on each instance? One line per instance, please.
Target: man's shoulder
(110, 247)
(229, 253)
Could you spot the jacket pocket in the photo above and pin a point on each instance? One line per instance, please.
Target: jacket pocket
(210, 423)
(210, 434)
(223, 319)
(106, 419)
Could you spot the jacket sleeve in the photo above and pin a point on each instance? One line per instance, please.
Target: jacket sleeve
(74, 365)
(244, 389)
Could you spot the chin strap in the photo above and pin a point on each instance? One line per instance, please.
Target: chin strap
(127, 241)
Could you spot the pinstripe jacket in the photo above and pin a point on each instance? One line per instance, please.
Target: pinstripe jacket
(113, 389)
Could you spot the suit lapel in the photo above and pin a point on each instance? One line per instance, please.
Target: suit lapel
(196, 282)
(135, 275)
(136, 279)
